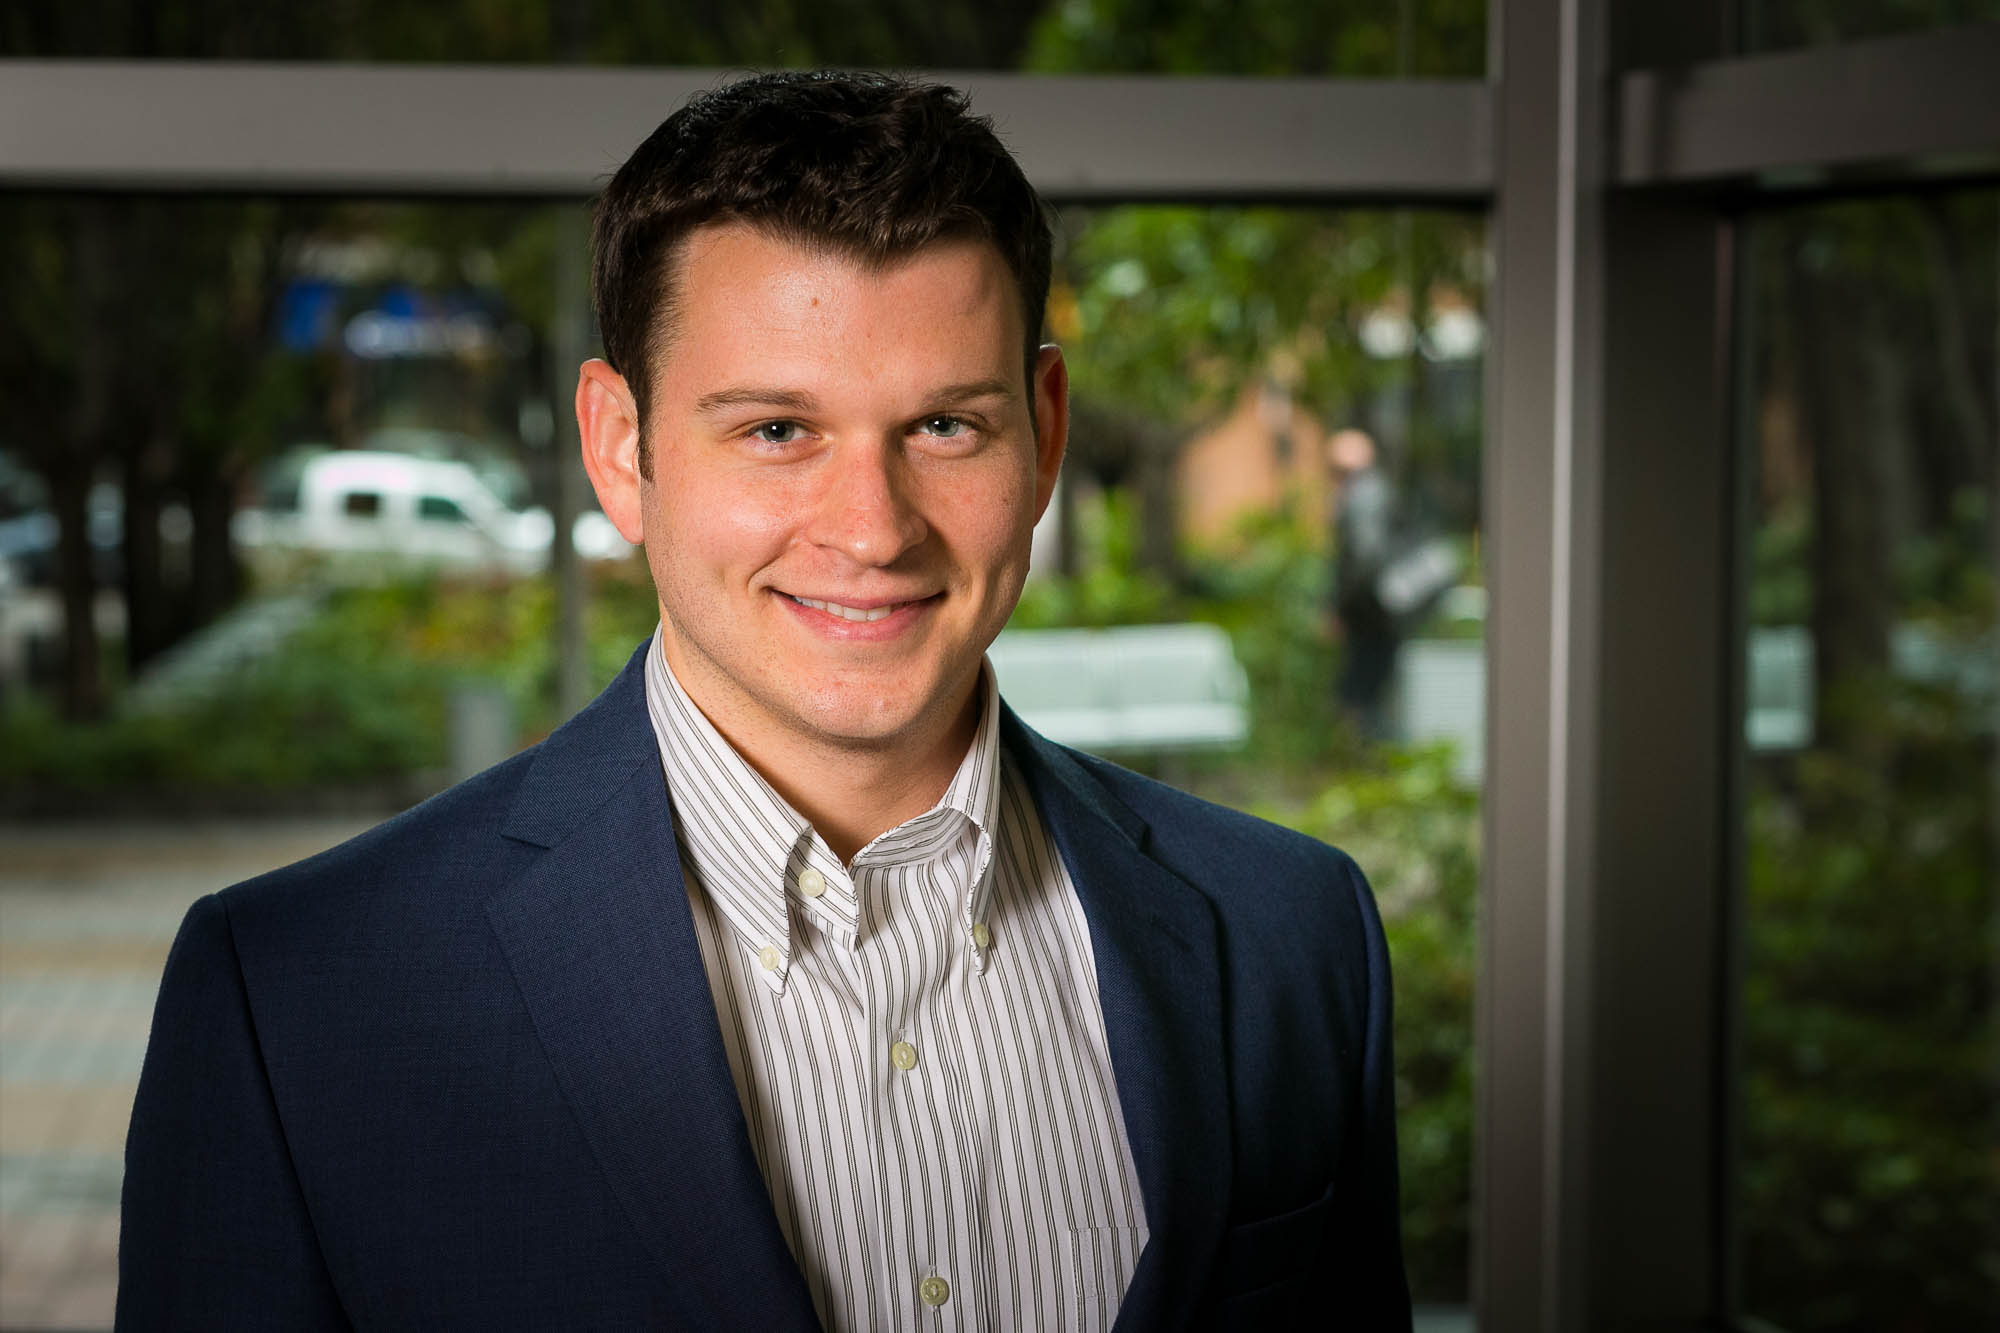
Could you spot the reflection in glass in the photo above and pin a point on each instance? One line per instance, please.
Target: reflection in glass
(1777, 25)
(1870, 1189)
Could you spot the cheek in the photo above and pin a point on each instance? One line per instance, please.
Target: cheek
(702, 519)
(989, 525)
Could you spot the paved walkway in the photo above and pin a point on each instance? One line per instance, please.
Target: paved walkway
(86, 915)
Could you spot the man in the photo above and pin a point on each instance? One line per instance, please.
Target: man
(794, 982)
(1363, 534)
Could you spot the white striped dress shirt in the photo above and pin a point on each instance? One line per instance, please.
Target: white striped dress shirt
(916, 1040)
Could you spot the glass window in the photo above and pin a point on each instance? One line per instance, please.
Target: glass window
(1775, 25)
(1276, 439)
(1870, 1187)
(282, 335)
(1274, 478)
(437, 509)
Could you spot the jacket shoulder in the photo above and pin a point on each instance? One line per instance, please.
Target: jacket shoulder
(420, 860)
(1229, 844)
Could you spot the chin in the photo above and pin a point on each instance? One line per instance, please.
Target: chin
(856, 739)
(866, 722)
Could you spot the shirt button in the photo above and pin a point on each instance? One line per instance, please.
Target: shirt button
(768, 956)
(904, 1056)
(981, 936)
(811, 883)
(934, 1290)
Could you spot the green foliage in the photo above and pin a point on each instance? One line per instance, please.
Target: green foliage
(359, 694)
(315, 714)
(1272, 592)
(1870, 1028)
(1869, 1195)
(1939, 575)
(1097, 598)
(1170, 311)
(1269, 591)
(1785, 23)
(1780, 577)
(1112, 589)
(770, 33)
(1359, 38)
(1414, 829)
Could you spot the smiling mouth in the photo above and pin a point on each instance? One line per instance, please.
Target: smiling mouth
(857, 614)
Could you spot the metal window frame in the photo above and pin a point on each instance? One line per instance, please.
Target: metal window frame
(1616, 144)
(482, 130)
(1628, 146)
(1874, 112)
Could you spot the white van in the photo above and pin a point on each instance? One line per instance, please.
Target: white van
(363, 510)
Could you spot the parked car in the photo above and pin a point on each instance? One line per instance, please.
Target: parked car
(493, 461)
(361, 511)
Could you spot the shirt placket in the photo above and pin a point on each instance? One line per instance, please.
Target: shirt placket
(928, 1185)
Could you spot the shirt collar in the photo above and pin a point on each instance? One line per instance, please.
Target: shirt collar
(748, 847)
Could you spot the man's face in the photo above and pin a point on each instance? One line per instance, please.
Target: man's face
(845, 477)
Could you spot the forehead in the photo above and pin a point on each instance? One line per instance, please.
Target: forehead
(732, 283)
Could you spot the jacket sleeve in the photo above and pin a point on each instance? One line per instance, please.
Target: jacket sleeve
(1368, 1240)
(214, 1233)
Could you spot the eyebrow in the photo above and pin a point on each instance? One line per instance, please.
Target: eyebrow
(794, 400)
(749, 395)
(965, 393)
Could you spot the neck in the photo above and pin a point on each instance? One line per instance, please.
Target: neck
(855, 796)
(850, 792)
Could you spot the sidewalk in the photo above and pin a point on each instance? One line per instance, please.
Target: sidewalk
(87, 913)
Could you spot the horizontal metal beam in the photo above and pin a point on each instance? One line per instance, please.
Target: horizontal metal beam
(487, 130)
(1894, 107)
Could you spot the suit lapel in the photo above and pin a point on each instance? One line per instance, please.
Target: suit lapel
(602, 945)
(601, 941)
(1159, 982)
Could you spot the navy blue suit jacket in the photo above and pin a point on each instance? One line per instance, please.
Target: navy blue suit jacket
(464, 1071)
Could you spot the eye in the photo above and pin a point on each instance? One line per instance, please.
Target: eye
(945, 427)
(777, 432)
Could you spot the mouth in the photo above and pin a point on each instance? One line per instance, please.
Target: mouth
(860, 615)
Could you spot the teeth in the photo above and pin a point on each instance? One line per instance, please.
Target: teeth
(847, 612)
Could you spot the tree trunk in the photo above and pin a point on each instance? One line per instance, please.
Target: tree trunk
(149, 618)
(1066, 525)
(82, 679)
(214, 577)
(1971, 447)
(1158, 551)
(70, 474)
(1839, 327)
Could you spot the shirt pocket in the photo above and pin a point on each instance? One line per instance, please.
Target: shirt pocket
(1100, 1262)
(1272, 1250)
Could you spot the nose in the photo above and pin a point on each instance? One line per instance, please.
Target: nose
(866, 509)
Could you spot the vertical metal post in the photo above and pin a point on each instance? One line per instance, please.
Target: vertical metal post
(1608, 514)
(1539, 806)
(1667, 730)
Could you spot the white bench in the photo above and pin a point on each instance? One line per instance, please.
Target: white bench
(1128, 688)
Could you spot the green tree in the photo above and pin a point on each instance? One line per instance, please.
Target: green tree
(1354, 38)
(1869, 1184)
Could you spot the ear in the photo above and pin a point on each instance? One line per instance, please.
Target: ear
(608, 423)
(1051, 390)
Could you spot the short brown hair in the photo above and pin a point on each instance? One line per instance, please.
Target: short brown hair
(869, 164)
